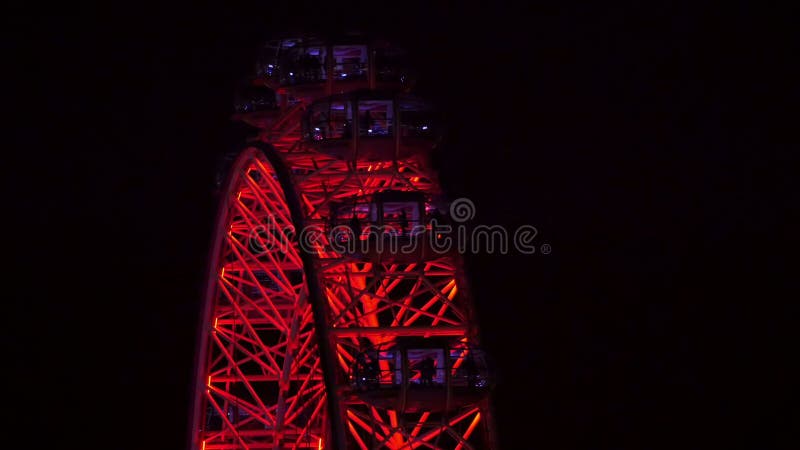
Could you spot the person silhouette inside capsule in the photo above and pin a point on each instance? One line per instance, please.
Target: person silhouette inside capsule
(427, 369)
(355, 227)
(403, 222)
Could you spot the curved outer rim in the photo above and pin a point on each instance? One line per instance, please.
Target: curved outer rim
(254, 150)
(231, 178)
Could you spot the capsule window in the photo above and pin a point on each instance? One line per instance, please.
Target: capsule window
(417, 119)
(350, 62)
(376, 118)
(402, 216)
(390, 64)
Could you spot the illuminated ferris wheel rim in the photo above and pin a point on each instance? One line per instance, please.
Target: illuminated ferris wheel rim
(267, 157)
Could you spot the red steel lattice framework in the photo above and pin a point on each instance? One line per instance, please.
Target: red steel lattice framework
(282, 325)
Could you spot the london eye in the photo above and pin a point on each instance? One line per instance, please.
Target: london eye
(331, 319)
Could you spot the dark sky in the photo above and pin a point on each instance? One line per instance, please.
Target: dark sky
(641, 141)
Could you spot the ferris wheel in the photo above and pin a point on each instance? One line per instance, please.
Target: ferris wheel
(333, 318)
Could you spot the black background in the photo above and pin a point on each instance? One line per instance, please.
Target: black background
(641, 140)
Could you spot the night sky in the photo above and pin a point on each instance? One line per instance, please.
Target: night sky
(640, 141)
